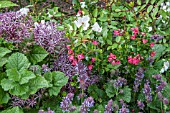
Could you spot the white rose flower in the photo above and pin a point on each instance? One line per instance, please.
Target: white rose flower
(23, 11)
(165, 67)
(96, 27)
(83, 4)
(83, 21)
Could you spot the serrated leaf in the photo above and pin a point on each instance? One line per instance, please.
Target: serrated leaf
(6, 3)
(7, 84)
(37, 54)
(13, 110)
(149, 8)
(110, 90)
(54, 91)
(13, 74)
(59, 78)
(126, 95)
(4, 51)
(159, 48)
(3, 61)
(48, 76)
(26, 76)
(19, 90)
(18, 61)
(4, 97)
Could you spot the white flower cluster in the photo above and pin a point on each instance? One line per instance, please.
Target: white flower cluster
(84, 22)
(165, 6)
(23, 12)
(165, 67)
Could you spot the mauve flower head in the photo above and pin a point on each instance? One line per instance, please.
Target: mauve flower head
(157, 37)
(165, 101)
(65, 104)
(161, 86)
(147, 91)
(119, 82)
(47, 36)
(49, 111)
(160, 96)
(108, 107)
(14, 28)
(86, 105)
(157, 77)
(140, 104)
(45, 68)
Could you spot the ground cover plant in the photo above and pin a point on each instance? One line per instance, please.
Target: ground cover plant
(99, 57)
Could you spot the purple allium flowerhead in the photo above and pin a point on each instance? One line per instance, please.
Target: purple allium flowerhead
(47, 36)
(157, 37)
(14, 28)
(147, 91)
(140, 104)
(157, 77)
(138, 79)
(165, 101)
(108, 107)
(161, 86)
(86, 105)
(119, 82)
(65, 104)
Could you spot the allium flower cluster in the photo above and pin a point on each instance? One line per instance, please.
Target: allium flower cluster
(147, 91)
(138, 79)
(119, 82)
(15, 28)
(113, 60)
(47, 36)
(66, 103)
(157, 37)
(140, 104)
(108, 107)
(135, 32)
(86, 105)
(135, 60)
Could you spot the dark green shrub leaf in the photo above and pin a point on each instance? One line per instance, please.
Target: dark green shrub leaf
(13, 110)
(26, 76)
(126, 95)
(13, 74)
(48, 76)
(6, 3)
(37, 54)
(4, 97)
(7, 84)
(149, 8)
(19, 90)
(110, 91)
(18, 61)
(4, 51)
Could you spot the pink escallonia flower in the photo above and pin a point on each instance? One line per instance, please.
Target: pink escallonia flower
(153, 53)
(113, 63)
(135, 30)
(93, 60)
(133, 37)
(152, 44)
(80, 57)
(143, 34)
(74, 62)
(144, 41)
(70, 52)
(110, 59)
(68, 47)
(117, 32)
(95, 42)
(71, 58)
(113, 56)
(118, 62)
(90, 67)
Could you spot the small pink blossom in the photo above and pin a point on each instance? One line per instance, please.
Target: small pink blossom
(144, 41)
(117, 32)
(70, 52)
(143, 34)
(152, 44)
(113, 56)
(79, 13)
(130, 59)
(133, 37)
(136, 61)
(68, 47)
(135, 30)
(74, 62)
(153, 53)
(90, 67)
(93, 60)
(110, 59)
(95, 42)
(118, 62)
(113, 63)
(80, 57)
(71, 58)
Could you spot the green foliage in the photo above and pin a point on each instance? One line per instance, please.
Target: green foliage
(56, 80)
(13, 110)
(110, 90)
(126, 95)
(4, 96)
(4, 51)
(6, 3)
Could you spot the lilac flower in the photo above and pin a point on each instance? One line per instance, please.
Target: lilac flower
(160, 96)
(140, 104)
(147, 91)
(138, 79)
(165, 101)
(47, 36)
(157, 37)
(65, 104)
(86, 105)
(119, 82)
(157, 77)
(108, 108)
(161, 86)
(14, 28)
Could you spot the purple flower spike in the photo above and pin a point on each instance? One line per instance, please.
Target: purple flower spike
(140, 104)
(86, 105)
(161, 86)
(108, 108)
(65, 104)
(147, 91)
(119, 82)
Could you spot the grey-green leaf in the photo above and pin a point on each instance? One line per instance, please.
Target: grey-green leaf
(13, 110)
(19, 90)
(26, 76)
(18, 61)
(126, 95)
(7, 84)
(13, 74)
(4, 51)
(4, 97)
(59, 78)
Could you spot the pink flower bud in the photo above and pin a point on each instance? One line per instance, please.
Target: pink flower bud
(90, 67)
(80, 57)
(152, 44)
(144, 41)
(93, 60)
(95, 42)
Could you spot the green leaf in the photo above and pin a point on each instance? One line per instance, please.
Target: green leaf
(4, 51)
(159, 3)
(54, 91)
(26, 76)
(95, 12)
(48, 76)
(19, 90)
(149, 8)
(13, 74)
(37, 54)
(110, 90)
(166, 91)
(155, 11)
(139, 2)
(59, 78)
(118, 38)
(13, 110)
(153, 1)
(4, 97)
(159, 48)
(18, 61)
(6, 3)
(7, 84)
(126, 95)
(60, 27)
(3, 61)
